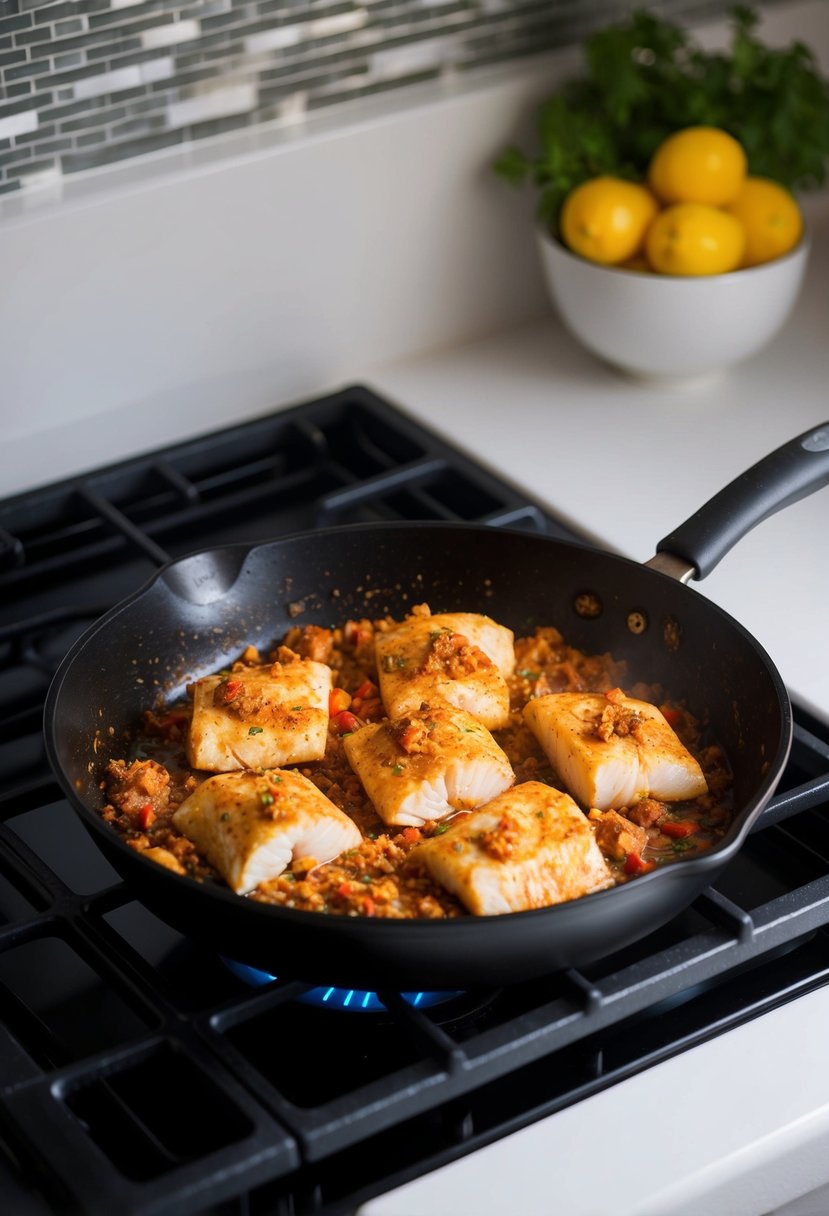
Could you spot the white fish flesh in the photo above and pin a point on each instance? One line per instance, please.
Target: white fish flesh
(251, 826)
(427, 764)
(260, 717)
(611, 750)
(458, 658)
(529, 848)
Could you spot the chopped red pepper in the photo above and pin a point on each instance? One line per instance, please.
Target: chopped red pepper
(344, 723)
(409, 736)
(411, 835)
(366, 691)
(678, 828)
(338, 700)
(356, 634)
(146, 816)
(232, 689)
(635, 865)
(344, 890)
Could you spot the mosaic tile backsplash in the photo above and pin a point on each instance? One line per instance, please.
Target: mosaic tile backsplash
(88, 83)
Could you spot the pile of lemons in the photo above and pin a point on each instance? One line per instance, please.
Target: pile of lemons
(698, 213)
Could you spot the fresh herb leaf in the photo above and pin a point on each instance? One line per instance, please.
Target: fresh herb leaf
(255, 730)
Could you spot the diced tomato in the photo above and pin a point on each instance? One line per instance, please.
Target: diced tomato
(338, 700)
(678, 828)
(344, 890)
(356, 634)
(411, 835)
(343, 723)
(366, 691)
(635, 865)
(674, 717)
(369, 906)
(232, 689)
(408, 736)
(146, 816)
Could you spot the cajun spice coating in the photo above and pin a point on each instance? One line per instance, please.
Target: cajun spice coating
(528, 848)
(460, 659)
(251, 826)
(428, 764)
(261, 717)
(612, 762)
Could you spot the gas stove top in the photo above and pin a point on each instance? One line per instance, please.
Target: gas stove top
(139, 1073)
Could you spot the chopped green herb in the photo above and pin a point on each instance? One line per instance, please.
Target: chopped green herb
(539, 814)
(441, 828)
(266, 797)
(255, 730)
(296, 707)
(225, 817)
(682, 846)
(366, 878)
(526, 674)
(397, 771)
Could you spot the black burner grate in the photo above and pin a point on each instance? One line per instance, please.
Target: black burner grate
(137, 1074)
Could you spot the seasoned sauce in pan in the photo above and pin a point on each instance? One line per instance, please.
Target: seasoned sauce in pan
(382, 876)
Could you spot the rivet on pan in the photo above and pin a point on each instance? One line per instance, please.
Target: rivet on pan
(637, 622)
(587, 605)
(672, 633)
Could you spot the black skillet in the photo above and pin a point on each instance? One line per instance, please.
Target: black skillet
(198, 612)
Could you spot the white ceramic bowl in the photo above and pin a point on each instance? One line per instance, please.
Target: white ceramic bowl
(668, 327)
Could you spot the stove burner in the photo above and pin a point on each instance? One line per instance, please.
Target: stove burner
(354, 1000)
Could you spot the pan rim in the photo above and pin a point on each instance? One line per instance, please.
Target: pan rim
(712, 860)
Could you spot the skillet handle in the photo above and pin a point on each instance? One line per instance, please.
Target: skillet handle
(790, 473)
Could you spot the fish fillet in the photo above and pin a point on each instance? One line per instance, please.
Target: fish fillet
(459, 658)
(646, 760)
(260, 717)
(427, 764)
(528, 848)
(250, 826)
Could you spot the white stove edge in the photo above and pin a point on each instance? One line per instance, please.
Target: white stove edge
(732, 1127)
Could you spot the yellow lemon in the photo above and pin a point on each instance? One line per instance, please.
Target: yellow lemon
(606, 218)
(771, 218)
(695, 239)
(698, 165)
